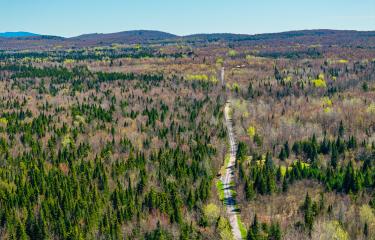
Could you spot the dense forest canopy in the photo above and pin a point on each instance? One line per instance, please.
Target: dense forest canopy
(128, 141)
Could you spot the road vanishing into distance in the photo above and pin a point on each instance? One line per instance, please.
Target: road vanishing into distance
(227, 178)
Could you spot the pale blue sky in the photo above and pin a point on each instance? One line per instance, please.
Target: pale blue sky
(75, 17)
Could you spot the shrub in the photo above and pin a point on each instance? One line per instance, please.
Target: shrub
(319, 83)
(212, 213)
(251, 131)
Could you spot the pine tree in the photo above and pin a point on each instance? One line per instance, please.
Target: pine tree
(21, 231)
(287, 149)
(285, 185)
(279, 174)
(334, 157)
(325, 145)
(275, 232)
(309, 213)
(254, 228)
(365, 230)
(372, 202)
(348, 184)
(321, 202)
(249, 190)
(341, 129)
(277, 74)
(271, 183)
(282, 154)
(269, 162)
(307, 202)
(352, 143)
(191, 199)
(250, 91)
(297, 148)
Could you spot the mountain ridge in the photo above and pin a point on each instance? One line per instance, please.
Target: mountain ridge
(17, 34)
(145, 32)
(325, 36)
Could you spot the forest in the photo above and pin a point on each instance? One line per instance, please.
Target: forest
(128, 140)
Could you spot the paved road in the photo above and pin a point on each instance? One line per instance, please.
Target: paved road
(229, 200)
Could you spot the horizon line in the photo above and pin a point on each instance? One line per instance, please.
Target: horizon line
(184, 35)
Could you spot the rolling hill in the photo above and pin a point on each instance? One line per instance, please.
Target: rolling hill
(307, 37)
(17, 34)
(136, 36)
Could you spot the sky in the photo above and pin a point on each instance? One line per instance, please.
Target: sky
(182, 17)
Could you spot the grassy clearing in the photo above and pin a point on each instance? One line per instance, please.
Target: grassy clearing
(220, 189)
(225, 228)
(226, 162)
(233, 192)
(242, 227)
(232, 184)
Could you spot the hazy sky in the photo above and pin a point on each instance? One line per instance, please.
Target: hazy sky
(75, 17)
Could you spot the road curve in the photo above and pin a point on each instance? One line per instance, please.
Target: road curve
(227, 178)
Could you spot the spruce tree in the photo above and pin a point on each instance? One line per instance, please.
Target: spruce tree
(334, 157)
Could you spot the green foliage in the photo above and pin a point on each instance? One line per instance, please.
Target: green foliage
(3, 121)
(211, 212)
(224, 229)
(259, 231)
(76, 170)
(220, 189)
(319, 83)
(158, 234)
(371, 108)
(201, 77)
(258, 140)
(259, 178)
(330, 230)
(219, 61)
(232, 53)
(251, 131)
(242, 227)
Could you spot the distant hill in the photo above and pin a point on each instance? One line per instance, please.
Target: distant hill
(136, 36)
(22, 40)
(213, 37)
(17, 34)
(320, 35)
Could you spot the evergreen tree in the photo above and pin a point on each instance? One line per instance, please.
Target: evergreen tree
(365, 230)
(275, 232)
(341, 129)
(287, 149)
(249, 190)
(269, 162)
(334, 157)
(282, 154)
(308, 213)
(250, 91)
(285, 186)
(254, 231)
